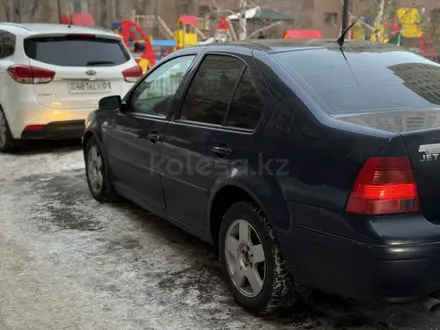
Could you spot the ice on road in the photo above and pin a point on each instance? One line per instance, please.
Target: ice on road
(68, 262)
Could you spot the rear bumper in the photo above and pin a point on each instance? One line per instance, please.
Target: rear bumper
(397, 261)
(56, 130)
(347, 272)
(30, 113)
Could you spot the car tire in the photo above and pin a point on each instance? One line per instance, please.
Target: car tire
(97, 173)
(241, 263)
(7, 141)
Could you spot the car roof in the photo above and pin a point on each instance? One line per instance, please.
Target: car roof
(283, 45)
(49, 28)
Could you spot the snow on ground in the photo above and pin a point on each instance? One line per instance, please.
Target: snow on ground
(68, 262)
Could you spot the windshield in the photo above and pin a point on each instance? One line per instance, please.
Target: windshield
(371, 80)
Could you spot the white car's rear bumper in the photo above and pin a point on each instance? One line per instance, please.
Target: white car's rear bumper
(32, 120)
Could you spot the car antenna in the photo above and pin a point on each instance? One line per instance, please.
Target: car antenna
(341, 41)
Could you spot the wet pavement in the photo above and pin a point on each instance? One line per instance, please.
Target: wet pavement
(68, 262)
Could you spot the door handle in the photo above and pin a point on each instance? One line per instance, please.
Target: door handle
(154, 137)
(221, 151)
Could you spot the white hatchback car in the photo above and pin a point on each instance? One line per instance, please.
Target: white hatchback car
(53, 76)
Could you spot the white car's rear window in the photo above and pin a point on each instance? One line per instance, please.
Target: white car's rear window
(76, 50)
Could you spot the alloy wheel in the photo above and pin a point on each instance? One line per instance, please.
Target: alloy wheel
(245, 258)
(94, 169)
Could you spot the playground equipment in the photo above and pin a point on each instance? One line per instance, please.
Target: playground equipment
(162, 48)
(408, 33)
(84, 19)
(410, 21)
(186, 34)
(148, 51)
(302, 34)
(225, 31)
(134, 37)
(405, 30)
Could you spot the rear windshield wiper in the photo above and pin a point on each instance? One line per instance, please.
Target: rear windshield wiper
(90, 63)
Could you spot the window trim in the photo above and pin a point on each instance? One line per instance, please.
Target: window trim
(177, 117)
(234, 92)
(213, 127)
(127, 98)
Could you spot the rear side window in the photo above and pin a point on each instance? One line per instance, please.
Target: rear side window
(372, 79)
(247, 105)
(212, 88)
(7, 44)
(76, 51)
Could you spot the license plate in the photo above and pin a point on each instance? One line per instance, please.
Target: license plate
(90, 86)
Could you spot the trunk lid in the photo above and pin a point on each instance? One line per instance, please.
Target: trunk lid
(424, 152)
(87, 68)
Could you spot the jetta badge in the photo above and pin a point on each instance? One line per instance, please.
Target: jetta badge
(91, 72)
(430, 152)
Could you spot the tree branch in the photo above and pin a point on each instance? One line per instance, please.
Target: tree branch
(263, 29)
(214, 8)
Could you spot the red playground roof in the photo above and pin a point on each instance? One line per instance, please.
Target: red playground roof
(223, 24)
(85, 19)
(302, 34)
(188, 20)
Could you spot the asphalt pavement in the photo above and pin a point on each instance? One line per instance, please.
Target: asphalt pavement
(68, 262)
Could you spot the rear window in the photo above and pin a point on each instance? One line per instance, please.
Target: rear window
(370, 79)
(76, 51)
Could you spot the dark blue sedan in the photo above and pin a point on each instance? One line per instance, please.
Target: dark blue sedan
(306, 164)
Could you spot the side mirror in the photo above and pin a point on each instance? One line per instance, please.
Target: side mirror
(110, 103)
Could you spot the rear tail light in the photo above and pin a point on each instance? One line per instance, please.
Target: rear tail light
(132, 74)
(24, 74)
(384, 185)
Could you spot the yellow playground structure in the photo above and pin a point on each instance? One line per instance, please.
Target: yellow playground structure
(405, 30)
(185, 34)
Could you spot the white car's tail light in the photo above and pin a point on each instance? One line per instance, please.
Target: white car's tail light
(24, 74)
(132, 74)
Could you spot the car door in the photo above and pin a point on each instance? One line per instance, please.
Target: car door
(134, 136)
(210, 135)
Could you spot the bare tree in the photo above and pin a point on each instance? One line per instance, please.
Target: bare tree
(219, 10)
(242, 20)
(431, 25)
(45, 10)
(142, 5)
(261, 30)
(6, 4)
(379, 19)
(382, 10)
(34, 8)
(292, 8)
(186, 6)
(103, 12)
(21, 10)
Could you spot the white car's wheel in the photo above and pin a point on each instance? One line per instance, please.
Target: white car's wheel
(7, 142)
